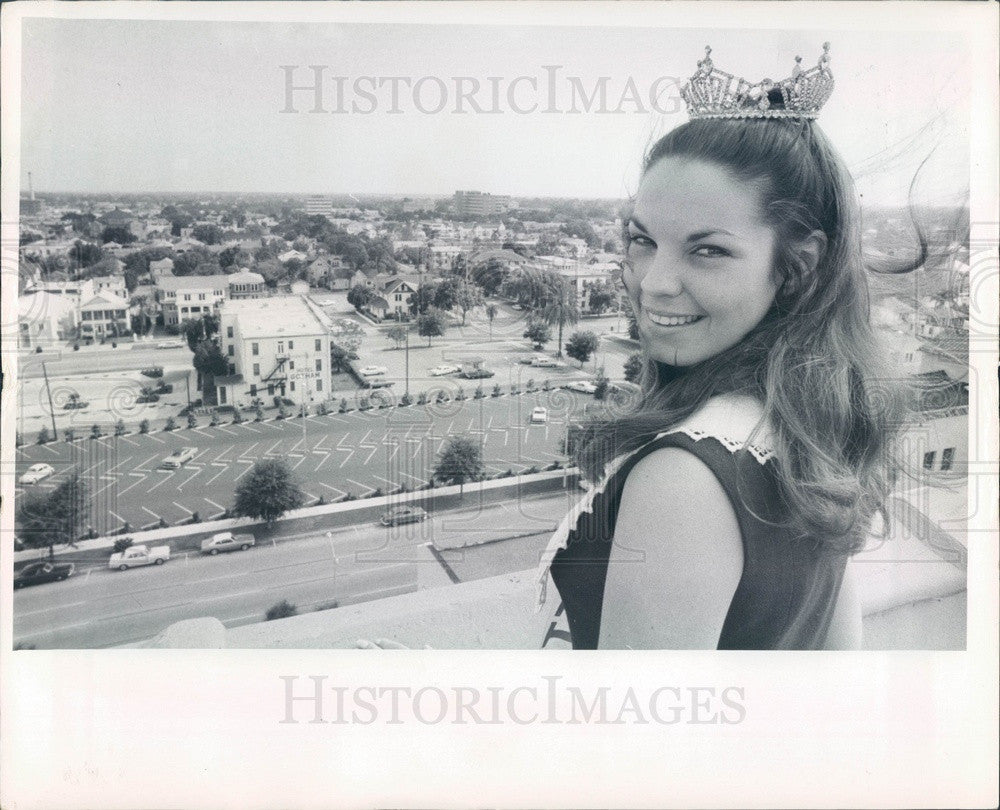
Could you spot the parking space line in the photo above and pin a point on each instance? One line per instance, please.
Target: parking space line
(340, 492)
(188, 480)
(349, 452)
(155, 438)
(133, 484)
(297, 463)
(326, 457)
(150, 511)
(245, 426)
(182, 507)
(220, 472)
(248, 468)
(161, 481)
(117, 517)
(130, 441)
(365, 487)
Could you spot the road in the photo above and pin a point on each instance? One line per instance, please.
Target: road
(333, 455)
(102, 608)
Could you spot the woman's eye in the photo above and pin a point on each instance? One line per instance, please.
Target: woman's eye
(710, 251)
(640, 239)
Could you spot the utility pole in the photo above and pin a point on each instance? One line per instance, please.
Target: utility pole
(407, 361)
(52, 410)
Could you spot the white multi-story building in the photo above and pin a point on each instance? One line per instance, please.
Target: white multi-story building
(104, 316)
(183, 297)
(319, 205)
(278, 346)
(46, 319)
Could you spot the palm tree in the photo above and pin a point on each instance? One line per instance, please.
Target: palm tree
(559, 304)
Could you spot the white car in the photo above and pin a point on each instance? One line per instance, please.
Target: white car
(539, 414)
(36, 472)
(179, 458)
(545, 362)
(440, 371)
(169, 344)
(372, 371)
(582, 386)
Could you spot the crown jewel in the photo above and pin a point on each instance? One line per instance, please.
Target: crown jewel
(712, 93)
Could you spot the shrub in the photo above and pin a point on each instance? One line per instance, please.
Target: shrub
(405, 400)
(237, 417)
(195, 518)
(163, 523)
(364, 404)
(95, 432)
(546, 385)
(350, 496)
(192, 420)
(322, 410)
(496, 390)
(171, 424)
(422, 398)
(478, 394)
(282, 413)
(531, 470)
(214, 420)
(530, 386)
(282, 610)
(378, 493)
(442, 397)
(460, 395)
(43, 436)
(258, 414)
(121, 544)
(120, 428)
(18, 439)
(69, 434)
(514, 388)
(343, 406)
(303, 411)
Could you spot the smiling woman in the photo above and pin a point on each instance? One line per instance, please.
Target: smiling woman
(728, 500)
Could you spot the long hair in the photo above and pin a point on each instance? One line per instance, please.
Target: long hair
(814, 361)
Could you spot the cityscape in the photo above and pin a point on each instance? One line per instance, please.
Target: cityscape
(368, 400)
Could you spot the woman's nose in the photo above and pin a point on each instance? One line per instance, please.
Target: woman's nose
(662, 278)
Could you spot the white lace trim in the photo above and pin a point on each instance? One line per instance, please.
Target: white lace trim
(731, 419)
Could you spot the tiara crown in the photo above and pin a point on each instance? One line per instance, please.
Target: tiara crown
(712, 93)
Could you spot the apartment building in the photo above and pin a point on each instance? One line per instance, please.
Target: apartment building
(278, 346)
(183, 297)
(479, 203)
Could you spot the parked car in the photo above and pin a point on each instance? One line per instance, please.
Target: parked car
(546, 362)
(179, 458)
(403, 514)
(530, 359)
(39, 572)
(372, 371)
(582, 386)
(170, 344)
(440, 371)
(227, 541)
(36, 472)
(376, 382)
(152, 371)
(75, 405)
(539, 414)
(134, 556)
(476, 374)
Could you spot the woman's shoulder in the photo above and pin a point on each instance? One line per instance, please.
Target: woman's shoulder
(736, 421)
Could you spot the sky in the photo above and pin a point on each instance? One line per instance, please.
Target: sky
(154, 105)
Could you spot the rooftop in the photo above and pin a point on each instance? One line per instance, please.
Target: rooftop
(175, 283)
(279, 316)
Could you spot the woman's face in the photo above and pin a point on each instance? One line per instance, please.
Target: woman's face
(700, 260)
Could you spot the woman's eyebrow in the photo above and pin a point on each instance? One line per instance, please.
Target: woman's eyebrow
(705, 234)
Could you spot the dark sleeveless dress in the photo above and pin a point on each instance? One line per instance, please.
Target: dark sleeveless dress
(787, 592)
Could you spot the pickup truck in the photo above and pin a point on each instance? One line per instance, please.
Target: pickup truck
(227, 541)
(134, 556)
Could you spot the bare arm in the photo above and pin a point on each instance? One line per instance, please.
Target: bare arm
(676, 513)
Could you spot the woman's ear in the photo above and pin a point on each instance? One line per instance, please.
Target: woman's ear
(810, 252)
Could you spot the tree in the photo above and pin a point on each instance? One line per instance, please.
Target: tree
(209, 234)
(423, 297)
(469, 296)
(491, 313)
(601, 297)
(581, 345)
(431, 324)
(359, 296)
(633, 367)
(633, 326)
(397, 334)
(118, 233)
(47, 518)
(210, 363)
(459, 461)
(84, 254)
(559, 304)
(446, 294)
(538, 334)
(121, 544)
(268, 491)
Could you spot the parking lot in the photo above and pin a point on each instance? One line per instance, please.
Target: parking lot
(332, 456)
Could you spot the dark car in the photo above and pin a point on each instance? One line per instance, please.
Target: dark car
(403, 514)
(476, 374)
(38, 572)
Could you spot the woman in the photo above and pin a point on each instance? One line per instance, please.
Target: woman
(731, 496)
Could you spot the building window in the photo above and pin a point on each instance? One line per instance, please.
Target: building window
(201, 296)
(929, 460)
(256, 369)
(291, 386)
(253, 390)
(231, 350)
(319, 344)
(319, 364)
(291, 345)
(255, 349)
(291, 365)
(187, 297)
(319, 385)
(947, 458)
(229, 331)
(281, 347)
(184, 310)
